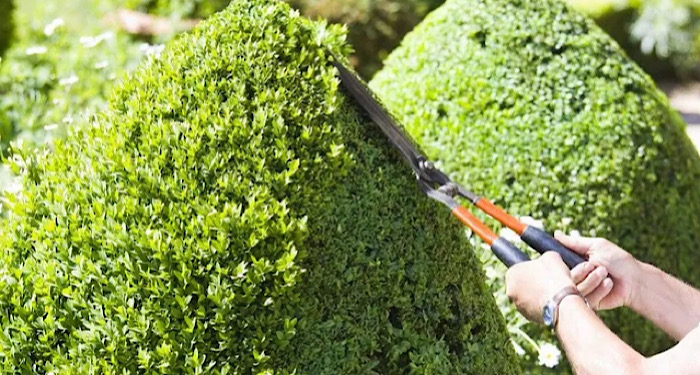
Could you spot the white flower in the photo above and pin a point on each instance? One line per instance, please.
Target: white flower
(566, 221)
(518, 349)
(51, 127)
(527, 220)
(549, 355)
(69, 81)
(68, 119)
(575, 234)
(53, 25)
(36, 50)
(509, 235)
(93, 41)
(149, 50)
(101, 65)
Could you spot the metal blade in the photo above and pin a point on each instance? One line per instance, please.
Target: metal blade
(425, 170)
(361, 93)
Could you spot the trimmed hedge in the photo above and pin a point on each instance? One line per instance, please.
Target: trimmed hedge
(375, 27)
(7, 26)
(234, 213)
(532, 105)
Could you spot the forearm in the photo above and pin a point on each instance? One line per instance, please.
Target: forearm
(592, 349)
(667, 302)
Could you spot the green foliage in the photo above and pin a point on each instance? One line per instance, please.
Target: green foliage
(661, 35)
(234, 213)
(178, 8)
(532, 105)
(375, 27)
(7, 26)
(62, 66)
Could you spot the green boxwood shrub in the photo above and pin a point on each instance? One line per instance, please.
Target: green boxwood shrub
(6, 25)
(234, 213)
(375, 27)
(532, 105)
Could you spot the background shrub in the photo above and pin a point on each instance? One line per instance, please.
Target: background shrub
(663, 36)
(375, 27)
(179, 8)
(6, 25)
(531, 104)
(234, 213)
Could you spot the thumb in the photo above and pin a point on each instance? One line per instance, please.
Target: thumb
(581, 245)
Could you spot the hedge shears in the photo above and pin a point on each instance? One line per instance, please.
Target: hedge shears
(438, 186)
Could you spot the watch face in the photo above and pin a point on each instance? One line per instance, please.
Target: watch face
(548, 314)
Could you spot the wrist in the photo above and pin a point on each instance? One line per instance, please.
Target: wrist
(637, 279)
(550, 311)
(569, 306)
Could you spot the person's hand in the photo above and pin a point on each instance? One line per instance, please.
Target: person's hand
(607, 279)
(531, 284)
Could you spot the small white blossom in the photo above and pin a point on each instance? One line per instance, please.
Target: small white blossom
(51, 127)
(68, 119)
(69, 81)
(93, 41)
(36, 50)
(151, 50)
(518, 349)
(566, 221)
(549, 355)
(509, 235)
(14, 187)
(101, 65)
(575, 234)
(527, 220)
(53, 25)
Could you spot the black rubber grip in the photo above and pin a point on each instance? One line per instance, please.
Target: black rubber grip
(543, 242)
(507, 253)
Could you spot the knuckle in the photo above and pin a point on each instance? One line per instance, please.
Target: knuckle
(551, 256)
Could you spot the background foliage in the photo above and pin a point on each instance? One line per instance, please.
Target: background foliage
(663, 36)
(375, 27)
(6, 24)
(531, 104)
(230, 213)
(62, 66)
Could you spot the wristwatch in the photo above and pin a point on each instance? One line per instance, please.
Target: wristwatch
(550, 311)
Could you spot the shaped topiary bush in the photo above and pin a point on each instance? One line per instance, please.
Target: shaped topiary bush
(532, 105)
(6, 25)
(234, 213)
(375, 27)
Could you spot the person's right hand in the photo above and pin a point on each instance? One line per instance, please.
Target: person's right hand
(608, 278)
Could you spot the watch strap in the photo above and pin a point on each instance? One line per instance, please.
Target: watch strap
(568, 291)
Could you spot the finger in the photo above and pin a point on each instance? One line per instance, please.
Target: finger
(597, 297)
(579, 273)
(592, 281)
(580, 245)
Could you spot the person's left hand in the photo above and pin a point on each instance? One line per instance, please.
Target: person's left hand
(531, 284)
